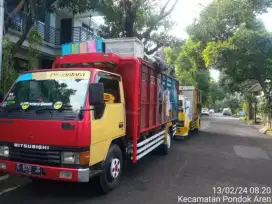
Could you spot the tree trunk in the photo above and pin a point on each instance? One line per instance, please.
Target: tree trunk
(250, 111)
(255, 113)
(130, 18)
(129, 25)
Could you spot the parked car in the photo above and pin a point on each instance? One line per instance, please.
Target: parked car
(211, 111)
(205, 111)
(227, 112)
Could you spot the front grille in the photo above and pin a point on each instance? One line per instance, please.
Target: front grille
(42, 157)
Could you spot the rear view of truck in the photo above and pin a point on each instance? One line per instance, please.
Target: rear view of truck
(189, 111)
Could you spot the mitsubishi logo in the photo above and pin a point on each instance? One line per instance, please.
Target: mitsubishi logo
(30, 137)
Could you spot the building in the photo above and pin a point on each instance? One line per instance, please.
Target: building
(56, 29)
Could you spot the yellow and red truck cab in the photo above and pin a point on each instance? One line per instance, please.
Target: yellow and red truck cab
(85, 116)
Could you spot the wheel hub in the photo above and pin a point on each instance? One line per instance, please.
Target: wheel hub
(115, 168)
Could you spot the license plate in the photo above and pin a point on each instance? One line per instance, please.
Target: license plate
(29, 169)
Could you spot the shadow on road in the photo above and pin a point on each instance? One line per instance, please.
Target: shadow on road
(52, 192)
(60, 192)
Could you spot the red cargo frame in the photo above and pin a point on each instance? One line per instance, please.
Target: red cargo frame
(141, 88)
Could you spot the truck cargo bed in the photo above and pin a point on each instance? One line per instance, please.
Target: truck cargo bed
(148, 96)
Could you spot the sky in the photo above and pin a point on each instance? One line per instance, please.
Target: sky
(187, 10)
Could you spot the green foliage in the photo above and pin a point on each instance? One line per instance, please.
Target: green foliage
(76, 6)
(245, 107)
(35, 42)
(190, 56)
(228, 37)
(8, 73)
(203, 83)
(145, 20)
(186, 78)
(212, 50)
(172, 53)
(233, 102)
(190, 68)
(216, 94)
(265, 108)
(237, 44)
(246, 55)
(222, 18)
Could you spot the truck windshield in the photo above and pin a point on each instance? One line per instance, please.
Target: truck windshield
(53, 89)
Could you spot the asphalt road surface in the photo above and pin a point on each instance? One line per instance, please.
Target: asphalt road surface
(225, 153)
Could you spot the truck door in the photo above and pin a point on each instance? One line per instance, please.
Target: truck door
(108, 123)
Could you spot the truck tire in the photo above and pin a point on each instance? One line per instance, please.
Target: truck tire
(165, 147)
(112, 169)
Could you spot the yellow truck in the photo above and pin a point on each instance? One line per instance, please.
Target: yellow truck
(189, 111)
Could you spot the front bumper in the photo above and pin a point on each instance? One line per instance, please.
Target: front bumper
(50, 172)
(182, 131)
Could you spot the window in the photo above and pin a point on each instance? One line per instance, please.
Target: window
(70, 92)
(111, 86)
(88, 28)
(111, 92)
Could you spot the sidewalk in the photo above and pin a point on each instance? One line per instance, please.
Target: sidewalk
(256, 126)
(259, 127)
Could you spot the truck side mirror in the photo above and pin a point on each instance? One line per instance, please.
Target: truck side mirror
(96, 94)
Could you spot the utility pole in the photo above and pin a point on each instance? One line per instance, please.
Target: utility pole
(1, 34)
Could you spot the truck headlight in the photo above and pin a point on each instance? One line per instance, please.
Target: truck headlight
(70, 157)
(4, 151)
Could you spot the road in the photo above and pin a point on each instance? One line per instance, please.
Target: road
(226, 152)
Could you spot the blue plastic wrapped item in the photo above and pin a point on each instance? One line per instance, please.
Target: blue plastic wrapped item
(66, 49)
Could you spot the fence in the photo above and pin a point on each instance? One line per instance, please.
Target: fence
(51, 34)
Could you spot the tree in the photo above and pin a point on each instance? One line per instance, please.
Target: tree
(236, 43)
(246, 55)
(190, 66)
(228, 37)
(172, 52)
(222, 18)
(138, 18)
(34, 9)
(232, 101)
(203, 83)
(190, 56)
(216, 92)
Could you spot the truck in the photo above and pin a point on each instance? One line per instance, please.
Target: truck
(87, 116)
(189, 111)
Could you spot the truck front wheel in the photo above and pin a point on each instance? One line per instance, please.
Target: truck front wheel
(112, 169)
